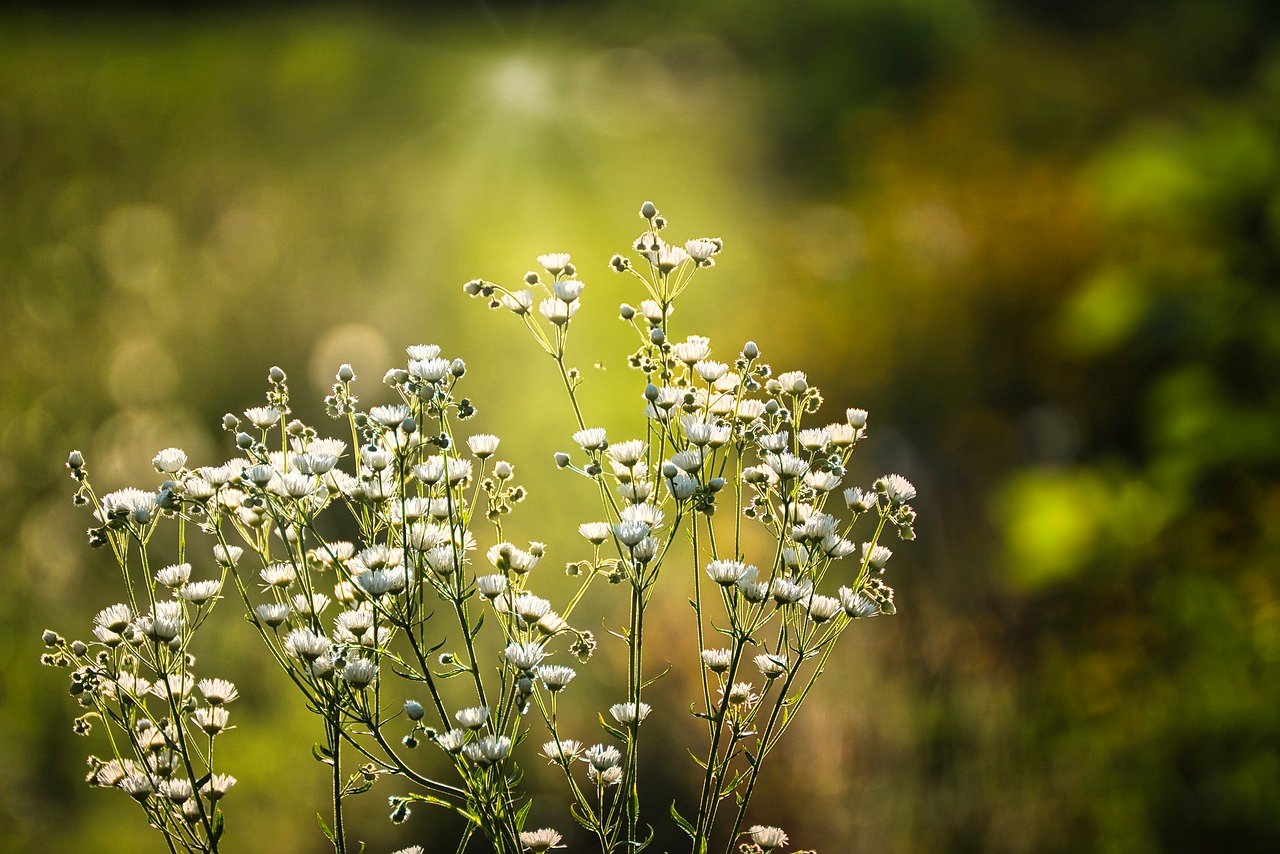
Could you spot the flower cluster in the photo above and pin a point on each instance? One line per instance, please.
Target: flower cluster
(354, 622)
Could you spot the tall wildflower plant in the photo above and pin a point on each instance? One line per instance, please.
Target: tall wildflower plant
(356, 624)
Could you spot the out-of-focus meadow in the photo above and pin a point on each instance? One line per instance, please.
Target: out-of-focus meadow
(1040, 242)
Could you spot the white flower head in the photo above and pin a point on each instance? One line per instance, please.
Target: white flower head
(555, 676)
(488, 750)
(170, 460)
(558, 311)
(629, 713)
(554, 262)
(524, 656)
(541, 840)
(726, 573)
(473, 717)
(768, 838)
(483, 445)
(771, 666)
(896, 488)
(591, 439)
(567, 290)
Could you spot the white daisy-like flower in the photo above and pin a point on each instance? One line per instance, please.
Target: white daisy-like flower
(555, 676)
(558, 311)
(646, 513)
(359, 672)
(701, 249)
(211, 719)
(813, 439)
(306, 644)
(524, 656)
(174, 576)
(177, 790)
(627, 453)
(200, 592)
(857, 418)
(451, 741)
(693, 349)
(137, 786)
(491, 586)
(472, 717)
(483, 445)
(741, 694)
(567, 289)
(591, 439)
(114, 617)
(389, 415)
(749, 410)
(217, 786)
(488, 750)
(562, 751)
(668, 257)
(529, 607)
(767, 837)
(630, 534)
(688, 461)
(314, 464)
(717, 660)
(540, 840)
(787, 590)
(272, 614)
(875, 556)
(129, 501)
(519, 302)
(860, 500)
(897, 488)
(710, 370)
(841, 435)
(262, 417)
(600, 756)
(421, 352)
(823, 608)
(595, 532)
(217, 692)
(652, 311)
(822, 481)
(771, 665)
(170, 460)
(554, 262)
(227, 555)
(630, 713)
(431, 370)
(610, 776)
(278, 574)
(726, 573)
(858, 605)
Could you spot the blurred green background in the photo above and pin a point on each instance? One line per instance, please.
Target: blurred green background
(1040, 241)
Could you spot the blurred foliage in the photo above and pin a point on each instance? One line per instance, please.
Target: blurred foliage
(1039, 241)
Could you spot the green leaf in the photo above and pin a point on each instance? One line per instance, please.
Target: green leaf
(580, 817)
(324, 828)
(523, 814)
(322, 754)
(681, 820)
(218, 823)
